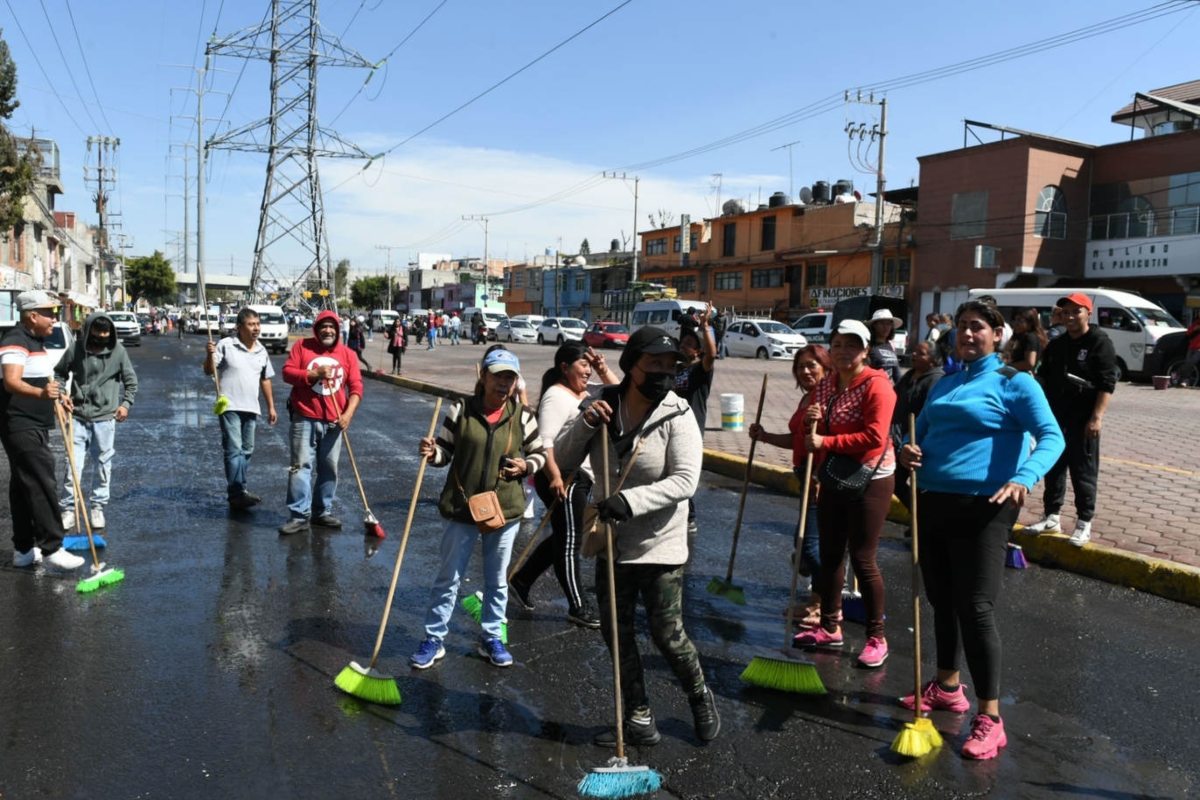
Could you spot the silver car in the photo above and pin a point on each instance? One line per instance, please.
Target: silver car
(516, 330)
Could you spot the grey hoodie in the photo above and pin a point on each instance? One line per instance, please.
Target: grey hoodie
(665, 475)
(103, 382)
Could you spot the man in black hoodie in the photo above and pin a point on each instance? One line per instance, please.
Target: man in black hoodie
(103, 385)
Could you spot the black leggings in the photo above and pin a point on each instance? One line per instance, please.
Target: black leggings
(396, 356)
(962, 548)
(853, 523)
(561, 547)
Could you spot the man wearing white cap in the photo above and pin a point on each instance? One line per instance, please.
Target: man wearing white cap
(26, 416)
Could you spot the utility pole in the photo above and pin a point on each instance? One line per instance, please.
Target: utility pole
(104, 177)
(876, 132)
(791, 179)
(200, 183)
(486, 276)
(388, 270)
(621, 177)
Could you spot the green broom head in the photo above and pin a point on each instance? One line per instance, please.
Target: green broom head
(221, 406)
(368, 684)
(783, 675)
(917, 738)
(619, 779)
(473, 605)
(728, 591)
(102, 577)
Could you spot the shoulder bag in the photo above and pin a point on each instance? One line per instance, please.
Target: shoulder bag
(484, 507)
(843, 473)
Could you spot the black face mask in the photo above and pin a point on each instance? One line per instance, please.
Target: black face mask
(96, 343)
(656, 385)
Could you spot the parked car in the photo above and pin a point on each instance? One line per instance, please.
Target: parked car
(816, 327)
(606, 334)
(229, 325)
(761, 338)
(129, 330)
(556, 330)
(516, 330)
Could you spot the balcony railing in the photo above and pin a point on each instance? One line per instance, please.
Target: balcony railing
(1181, 221)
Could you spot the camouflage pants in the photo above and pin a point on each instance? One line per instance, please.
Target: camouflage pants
(661, 590)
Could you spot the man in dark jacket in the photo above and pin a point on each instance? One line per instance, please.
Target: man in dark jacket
(103, 385)
(1079, 374)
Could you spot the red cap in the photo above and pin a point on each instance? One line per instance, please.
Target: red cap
(1078, 298)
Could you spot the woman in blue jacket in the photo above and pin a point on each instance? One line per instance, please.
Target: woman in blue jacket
(976, 468)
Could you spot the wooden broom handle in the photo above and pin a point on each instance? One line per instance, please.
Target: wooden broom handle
(737, 527)
(612, 600)
(916, 588)
(337, 409)
(805, 489)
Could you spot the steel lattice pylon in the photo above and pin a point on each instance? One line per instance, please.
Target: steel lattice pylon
(292, 208)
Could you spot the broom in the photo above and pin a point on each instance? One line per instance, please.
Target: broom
(366, 683)
(101, 575)
(371, 525)
(78, 541)
(618, 778)
(919, 737)
(726, 588)
(222, 403)
(789, 674)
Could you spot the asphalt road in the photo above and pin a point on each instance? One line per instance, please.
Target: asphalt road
(208, 672)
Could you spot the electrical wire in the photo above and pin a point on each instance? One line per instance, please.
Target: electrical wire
(86, 67)
(42, 69)
(70, 72)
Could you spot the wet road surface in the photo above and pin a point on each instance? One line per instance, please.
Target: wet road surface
(208, 672)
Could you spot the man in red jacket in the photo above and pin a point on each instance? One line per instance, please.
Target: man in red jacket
(321, 371)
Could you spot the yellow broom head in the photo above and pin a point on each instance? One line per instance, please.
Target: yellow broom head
(221, 406)
(917, 739)
(368, 684)
(925, 726)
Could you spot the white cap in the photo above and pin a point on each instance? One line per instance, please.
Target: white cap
(853, 327)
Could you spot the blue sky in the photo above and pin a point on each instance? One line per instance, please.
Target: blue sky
(656, 78)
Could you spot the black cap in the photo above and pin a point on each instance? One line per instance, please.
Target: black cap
(647, 340)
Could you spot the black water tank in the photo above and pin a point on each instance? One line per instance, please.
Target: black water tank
(778, 199)
(843, 187)
(820, 192)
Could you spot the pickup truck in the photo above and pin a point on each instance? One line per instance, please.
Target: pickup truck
(816, 327)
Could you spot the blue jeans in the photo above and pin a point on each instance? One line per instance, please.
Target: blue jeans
(237, 440)
(313, 440)
(432, 338)
(458, 541)
(94, 439)
(454, 334)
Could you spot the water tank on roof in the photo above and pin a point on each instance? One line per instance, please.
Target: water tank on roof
(843, 187)
(820, 192)
(778, 199)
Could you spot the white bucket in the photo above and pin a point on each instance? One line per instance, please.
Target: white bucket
(732, 408)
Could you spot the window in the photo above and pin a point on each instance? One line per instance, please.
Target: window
(968, 215)
(729, 243)
(677, 242)
(579, 282)
(727, 280)
(659, 316)
(768, 233)
(685, 284)
(766, 278)
(1050, 218)
(897, 270)
(1116, 319)
(815, 275)
(656, 247)
(518, 280)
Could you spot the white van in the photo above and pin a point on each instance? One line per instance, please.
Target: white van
(273, 328)
(382, 319)
(1133, 323)
(663, 313)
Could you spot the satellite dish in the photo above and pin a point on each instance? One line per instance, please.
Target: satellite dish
(806, 195)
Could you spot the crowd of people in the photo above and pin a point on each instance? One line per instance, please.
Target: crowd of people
(1010, 412)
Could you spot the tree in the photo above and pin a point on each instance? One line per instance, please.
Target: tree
(662, 218)
(585, 249)
(341, 274)
(16, 170)
(151, 277)
(370, 292)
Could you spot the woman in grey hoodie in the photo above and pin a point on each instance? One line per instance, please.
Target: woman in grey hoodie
(654, 428)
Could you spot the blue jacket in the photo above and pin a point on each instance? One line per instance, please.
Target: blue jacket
(975, 429)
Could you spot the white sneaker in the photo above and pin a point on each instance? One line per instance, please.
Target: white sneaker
(1047, 524)
(68, 519)
(27, 559)
(96, 515)
(61, 559)
(1082, 534)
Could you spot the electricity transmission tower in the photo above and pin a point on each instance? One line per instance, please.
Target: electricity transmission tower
(292, 210)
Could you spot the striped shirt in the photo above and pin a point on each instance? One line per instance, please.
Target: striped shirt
(19, 413)
(531, 444)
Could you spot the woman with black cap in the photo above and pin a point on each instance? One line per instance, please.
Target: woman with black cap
(653, 433)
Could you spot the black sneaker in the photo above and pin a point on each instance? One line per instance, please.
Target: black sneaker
(584, 618)
(328, 521)
(252, 498)
(705, 716)
(640, 730)
(240, 502)
(297, 525)
(521, 593)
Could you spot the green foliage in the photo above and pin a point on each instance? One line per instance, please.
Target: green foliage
(585, 249)
(16, 172)
(151, 277)
(371, 292)
(341, 274)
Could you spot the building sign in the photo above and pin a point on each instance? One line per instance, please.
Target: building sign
(827, 296)
(1135, 258)
(685, 238)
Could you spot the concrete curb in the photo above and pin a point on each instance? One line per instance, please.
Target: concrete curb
(1155, 576)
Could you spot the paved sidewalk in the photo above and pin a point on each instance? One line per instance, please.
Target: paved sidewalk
(1150, 462)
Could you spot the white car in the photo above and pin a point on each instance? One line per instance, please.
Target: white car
(557, 330)
(129, 330)
(761, 338)
(516, 330)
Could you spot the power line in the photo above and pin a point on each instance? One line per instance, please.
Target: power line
(42, 69)
(86, 67)
(63, 56)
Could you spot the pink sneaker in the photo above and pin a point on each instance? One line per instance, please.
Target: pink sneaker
(818, 637)
(874, 653)
(987, 738)
(935, 698)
